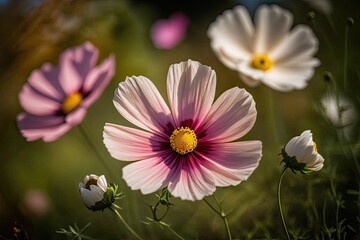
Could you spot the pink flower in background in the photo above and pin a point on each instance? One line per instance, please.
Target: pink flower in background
(167, 33)
(55, 98)
(188, 148)
(36, 201)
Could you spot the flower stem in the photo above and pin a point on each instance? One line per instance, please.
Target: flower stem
(125, 223)
(346, 57)
(87, 138)
(221, 213)
(279, 203)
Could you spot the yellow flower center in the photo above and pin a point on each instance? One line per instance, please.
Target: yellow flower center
(261, 62)
(183, 140)
(315, 146)
(71, 102)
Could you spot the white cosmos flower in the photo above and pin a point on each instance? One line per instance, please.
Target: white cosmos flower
(265, 51)
(305, 151)
(92, 189)
(341, 112)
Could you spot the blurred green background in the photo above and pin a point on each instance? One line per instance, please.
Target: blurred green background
(34, 32)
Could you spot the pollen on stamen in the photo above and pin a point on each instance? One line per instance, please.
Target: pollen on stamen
(261, 62)
(183, 140)
(71, 102)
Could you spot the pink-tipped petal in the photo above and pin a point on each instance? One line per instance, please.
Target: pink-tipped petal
(48, 128)
(97, 80)
(189, 180)
(191, 91)
(147, 175)
(272, 24)
(84, 58)
(129, 144)
(37, 104)
(46, 81)
(138, 100)
(232, 116)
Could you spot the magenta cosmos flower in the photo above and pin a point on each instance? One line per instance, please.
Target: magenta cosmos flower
(188, 147)
(167, 33)
(56, 98)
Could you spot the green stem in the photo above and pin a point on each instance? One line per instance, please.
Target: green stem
(125, 223)
(175, 233)
(346, 57)
(222, 214)
(94, 148)
(279, 203)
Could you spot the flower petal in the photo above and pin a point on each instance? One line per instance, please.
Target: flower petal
(297, 47)
(272, 24)
(72, 64)
(88, 197)
(231, 163)
(138, 100)
(49, 128)
(37, 104)
(129, 144)
(46, 82)
(84, 58)
(97, 80)
(232, 115)
(102, 183)
(191, 91)
(231, 36)
(148, 175)
(189, 180)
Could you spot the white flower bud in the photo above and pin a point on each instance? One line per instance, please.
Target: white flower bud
(305, 152)
(92, 189)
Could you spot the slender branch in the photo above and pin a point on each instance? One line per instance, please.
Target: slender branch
(125, 223)
(87, 138)
(222, 214)
(279, 203)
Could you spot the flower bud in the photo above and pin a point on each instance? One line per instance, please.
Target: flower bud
(301, 154)
(97, 194)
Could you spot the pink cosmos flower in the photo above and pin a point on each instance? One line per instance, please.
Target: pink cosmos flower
(167, 33)
(188, 148)
(55, 98)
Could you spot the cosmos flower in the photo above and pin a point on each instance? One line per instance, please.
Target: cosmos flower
(56, 98)
(167, 33)
(341, 113)
(301, 154)
(267, 51)
(188, 148)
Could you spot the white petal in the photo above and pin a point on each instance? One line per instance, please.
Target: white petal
(191, 91)
(231, 36)
(272, 24)
(102, 183)
(88, 197)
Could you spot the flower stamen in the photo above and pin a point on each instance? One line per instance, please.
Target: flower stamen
(183, 140)
(261, 62)
(315, 147)
(71, 102)
(91, 181)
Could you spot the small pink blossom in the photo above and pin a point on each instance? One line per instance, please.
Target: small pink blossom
(36, 201)
(190, 147)
(56, 98)
(167, 33)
